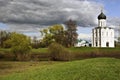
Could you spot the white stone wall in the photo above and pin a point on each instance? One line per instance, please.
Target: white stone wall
(101, 36)
(102, 23)
(107, 36)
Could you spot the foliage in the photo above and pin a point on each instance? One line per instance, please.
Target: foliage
(75, 53)
(52, 34)
(57, 33)
(47, 40)
(20, 45)
(3, 37)
(58, 52)
(89, 69)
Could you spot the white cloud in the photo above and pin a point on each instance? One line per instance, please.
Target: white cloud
(84, 36)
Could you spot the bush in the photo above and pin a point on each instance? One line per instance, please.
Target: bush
(20, 46)
(58, 52)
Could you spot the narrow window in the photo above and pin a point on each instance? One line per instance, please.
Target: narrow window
(107, 44)
(96, 44)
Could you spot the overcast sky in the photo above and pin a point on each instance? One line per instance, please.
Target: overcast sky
(29, 16)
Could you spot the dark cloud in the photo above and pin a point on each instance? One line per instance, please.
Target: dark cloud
(34, 14)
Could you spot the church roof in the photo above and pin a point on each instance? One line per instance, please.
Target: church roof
(101, 16)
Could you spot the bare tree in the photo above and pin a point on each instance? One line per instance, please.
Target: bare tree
(71, 32)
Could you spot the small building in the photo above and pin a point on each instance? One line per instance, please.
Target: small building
(82, 43)
(102, 36)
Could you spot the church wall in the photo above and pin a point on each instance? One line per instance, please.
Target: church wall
(98, 37)
(107, 36)
(101, 36)
(93, 40)
(102, 23)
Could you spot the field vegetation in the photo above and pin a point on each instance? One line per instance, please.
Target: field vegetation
(88, 69)
(43, 54)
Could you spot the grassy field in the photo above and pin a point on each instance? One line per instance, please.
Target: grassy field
(80, 49)
(40, 50)
(7, 68)
(88, 69)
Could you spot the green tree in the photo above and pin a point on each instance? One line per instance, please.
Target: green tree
(52, 34)
(3, 37)
(20, 45)
(57, 33)
(71, 33)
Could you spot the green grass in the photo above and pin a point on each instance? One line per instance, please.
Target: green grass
(3, 50)
(73, 49)
(79, 49)
(40, 50)
(88, 69)
(8, 67)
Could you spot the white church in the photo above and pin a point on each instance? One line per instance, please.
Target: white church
(102, 36)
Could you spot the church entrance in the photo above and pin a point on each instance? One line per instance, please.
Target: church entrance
(107, 44)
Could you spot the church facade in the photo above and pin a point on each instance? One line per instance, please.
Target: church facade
(102, 36)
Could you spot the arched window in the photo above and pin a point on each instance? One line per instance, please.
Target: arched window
(96, 44)
(107, 44)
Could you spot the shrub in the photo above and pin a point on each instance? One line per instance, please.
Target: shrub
(58, 52)
(20, 46)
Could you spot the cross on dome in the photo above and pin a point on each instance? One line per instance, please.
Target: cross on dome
(101, 15)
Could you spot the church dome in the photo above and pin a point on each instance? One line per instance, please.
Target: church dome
(102, 16)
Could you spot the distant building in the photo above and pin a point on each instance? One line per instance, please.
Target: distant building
(82, 43)
(102, 36)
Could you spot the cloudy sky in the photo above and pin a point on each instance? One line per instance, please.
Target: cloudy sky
(29, 16)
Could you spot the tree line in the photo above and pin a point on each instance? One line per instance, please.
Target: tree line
(66, 36)
(62, 36)
(21, 44)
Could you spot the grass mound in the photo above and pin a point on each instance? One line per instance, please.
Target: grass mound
(89, 69)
